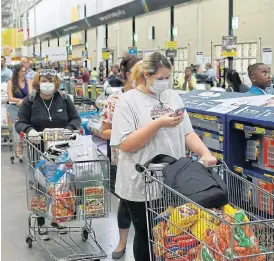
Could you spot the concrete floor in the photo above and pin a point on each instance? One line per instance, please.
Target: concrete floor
(15, 219)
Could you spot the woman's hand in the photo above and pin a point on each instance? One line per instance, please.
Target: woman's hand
(19, 103)
(208, 160)
(169, 120)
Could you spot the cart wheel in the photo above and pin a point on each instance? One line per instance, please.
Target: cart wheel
(29, 242)
(85, 235)
(11, 148)
(12, 160)
(20, 160)
(96, 260)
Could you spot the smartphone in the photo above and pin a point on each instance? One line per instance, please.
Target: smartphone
(179, 111)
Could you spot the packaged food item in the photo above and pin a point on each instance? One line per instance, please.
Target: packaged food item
(245, 243)
(94, 201)
(39, 203)
(159, 239)
(62, 207)
(211, 217)
(229, 211)
(182, 218)
(164, 215)
(203, 228)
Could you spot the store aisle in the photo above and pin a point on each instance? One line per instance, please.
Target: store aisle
(15, 215)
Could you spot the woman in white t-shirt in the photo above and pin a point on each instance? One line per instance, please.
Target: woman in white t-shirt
(144, 125)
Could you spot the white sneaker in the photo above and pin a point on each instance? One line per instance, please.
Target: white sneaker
(43, 233)
(61, 228)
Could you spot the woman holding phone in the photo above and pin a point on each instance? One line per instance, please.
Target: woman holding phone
(144, 125)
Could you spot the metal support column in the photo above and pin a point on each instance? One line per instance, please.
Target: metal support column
(133, 31)
(172, 29)
(69, 51)
(86, 36)
(58, 45)
(230, 30)
(106, 39)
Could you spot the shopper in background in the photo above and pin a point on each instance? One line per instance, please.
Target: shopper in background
(18, 89)
(188, 81)
(30, 74)
(6, 73)
(234, 82)
(145, 125)
(211, 74)
(259, 74)
(115, 77)
(85, 76)
(46, 108)
(94, 75)
(123, 216)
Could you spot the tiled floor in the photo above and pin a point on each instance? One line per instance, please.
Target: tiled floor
(15, 219)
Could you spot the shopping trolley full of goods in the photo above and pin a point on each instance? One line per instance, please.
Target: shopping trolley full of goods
(181, 229)
(68, 186)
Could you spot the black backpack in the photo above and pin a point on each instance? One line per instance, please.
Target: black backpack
(193, 180)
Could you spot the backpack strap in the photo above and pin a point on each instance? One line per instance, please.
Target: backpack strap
(63, 95)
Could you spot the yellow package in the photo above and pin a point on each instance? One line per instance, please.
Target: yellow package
(203, 228)
(230, 211)
(159, 237)
(210, 217)
(181, 218)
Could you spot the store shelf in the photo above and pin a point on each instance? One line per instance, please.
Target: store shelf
(253, 130)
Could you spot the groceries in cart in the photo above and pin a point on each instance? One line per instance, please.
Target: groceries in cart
(64, 173)
(193, 234)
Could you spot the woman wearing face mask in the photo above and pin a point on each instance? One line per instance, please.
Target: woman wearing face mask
(145, 125)
(18, 89)
(123, 216)
(46, 108)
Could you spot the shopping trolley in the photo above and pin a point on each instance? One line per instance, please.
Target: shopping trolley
(5, 131)
(179, 229)
(65, 194)
(16, 144)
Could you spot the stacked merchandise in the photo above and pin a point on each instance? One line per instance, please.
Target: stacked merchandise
(68, 182)
(189, 233)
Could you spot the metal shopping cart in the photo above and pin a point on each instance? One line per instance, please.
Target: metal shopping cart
(64, 194)
(180, 229)
(16, 144)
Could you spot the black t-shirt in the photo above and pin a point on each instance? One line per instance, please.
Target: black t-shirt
(34, 114)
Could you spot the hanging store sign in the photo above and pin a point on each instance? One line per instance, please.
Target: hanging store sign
(171, 49)
(133, 50)
(267, 56)
(56, 54)
(84, 55)
(105, 54)
(131, 9)
(229, 46)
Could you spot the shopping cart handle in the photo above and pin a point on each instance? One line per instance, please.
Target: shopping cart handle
(139, 168)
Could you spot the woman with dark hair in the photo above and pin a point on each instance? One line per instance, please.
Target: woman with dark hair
(234, 82)
(18, 89)
(123, 216)
(18, 86)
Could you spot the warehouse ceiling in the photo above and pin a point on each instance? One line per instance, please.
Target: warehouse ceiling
(14, 9)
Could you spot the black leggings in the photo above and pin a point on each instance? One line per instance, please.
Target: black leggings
(137, 212)
(123, 215)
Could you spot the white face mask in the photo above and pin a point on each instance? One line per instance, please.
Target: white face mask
(159, 86)
(47, 88)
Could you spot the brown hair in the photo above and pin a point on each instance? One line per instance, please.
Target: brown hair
(128, 61)
(36, 82)
(15, 77)
(151, 64)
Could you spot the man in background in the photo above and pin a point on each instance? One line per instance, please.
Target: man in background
(115, 77)
(6, 73)
(211, 74)
(30, 74)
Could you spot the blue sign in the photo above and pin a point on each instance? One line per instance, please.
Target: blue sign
(133, 50)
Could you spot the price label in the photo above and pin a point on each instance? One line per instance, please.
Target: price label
(213, 118)
(259, 130)
(207, 135)
(221, 138)
(239, 126)
(239, 169)
(207, 117)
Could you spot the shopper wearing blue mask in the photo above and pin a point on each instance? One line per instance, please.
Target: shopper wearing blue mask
(259, 74)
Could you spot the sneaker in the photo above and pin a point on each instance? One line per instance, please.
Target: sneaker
(60, 227)
(43, 233)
